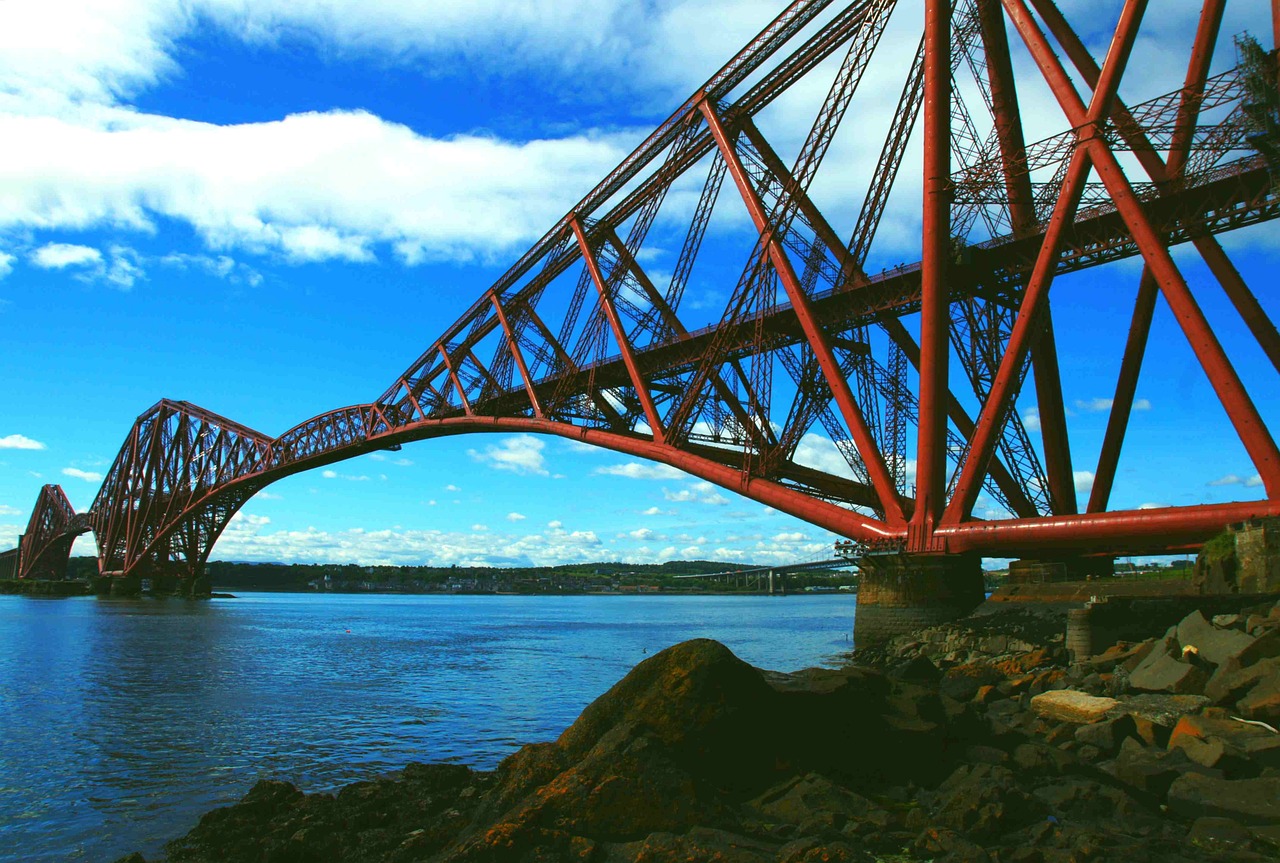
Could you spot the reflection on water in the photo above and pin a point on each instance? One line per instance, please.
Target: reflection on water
(123, 720)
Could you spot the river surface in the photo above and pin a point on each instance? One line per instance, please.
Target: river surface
(122, 721)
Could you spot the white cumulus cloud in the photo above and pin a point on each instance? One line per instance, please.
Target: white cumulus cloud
(636, 470)
(86, 475)
(17, 441)
(698, 492)
(57, 256)
(520, 454)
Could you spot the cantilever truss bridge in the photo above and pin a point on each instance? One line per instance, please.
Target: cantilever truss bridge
(917, 364)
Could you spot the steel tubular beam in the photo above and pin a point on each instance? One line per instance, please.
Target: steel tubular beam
(1008, 117)
(1120, 532)
(513, 345)
(1144, 305)
(1247, 305)
(457, 384)
(1053, 419)
(1235, 399)
(672, 321)
(619, 332)
(1237, 291)
(877, 470)
(931, 446)
(1036, 294)
(1126, 386)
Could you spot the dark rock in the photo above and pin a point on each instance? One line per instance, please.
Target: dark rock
(805, 798)
(1264, 646)
(917, 670)
(1149, 770)
(811, 850)
(1267, 836)
(1231, 680)
(1107, 734)
(698, 844)
(1046, 681)
(962, 682)
(1214, 644)
(1036, 758)
(984, 801)
(1155, 715)
(1214, 834)
(135, 857)
(1161, 672)
(942, 844)
(979, 754)
(1263, 701)
(1239, 748)
(1249, 801)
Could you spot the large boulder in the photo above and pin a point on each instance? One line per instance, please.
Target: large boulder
(692, 734)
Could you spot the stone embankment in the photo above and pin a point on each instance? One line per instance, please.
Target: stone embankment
(974, 741)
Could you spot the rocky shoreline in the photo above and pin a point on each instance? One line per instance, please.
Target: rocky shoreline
(979, 740)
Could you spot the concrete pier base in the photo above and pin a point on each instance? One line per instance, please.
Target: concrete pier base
(1049, 570)
(899, 594)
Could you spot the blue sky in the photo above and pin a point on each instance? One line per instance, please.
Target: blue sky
(271, 208)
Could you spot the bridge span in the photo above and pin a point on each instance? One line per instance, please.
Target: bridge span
(918, 365)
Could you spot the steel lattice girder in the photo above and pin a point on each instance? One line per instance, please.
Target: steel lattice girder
(577, 339)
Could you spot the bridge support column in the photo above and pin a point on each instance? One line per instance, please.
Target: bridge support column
(899, 594)
(1049, 570)
(125, 585)
(194, 587)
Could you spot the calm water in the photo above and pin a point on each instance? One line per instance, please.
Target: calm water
(122, 721)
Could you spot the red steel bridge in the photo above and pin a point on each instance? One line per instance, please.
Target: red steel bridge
(922, 363)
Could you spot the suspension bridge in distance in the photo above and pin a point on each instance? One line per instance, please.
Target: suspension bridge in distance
(916, 374)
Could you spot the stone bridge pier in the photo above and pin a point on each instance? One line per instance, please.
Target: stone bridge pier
(900, 593)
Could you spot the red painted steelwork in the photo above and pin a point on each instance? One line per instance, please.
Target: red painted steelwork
(578, 340)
